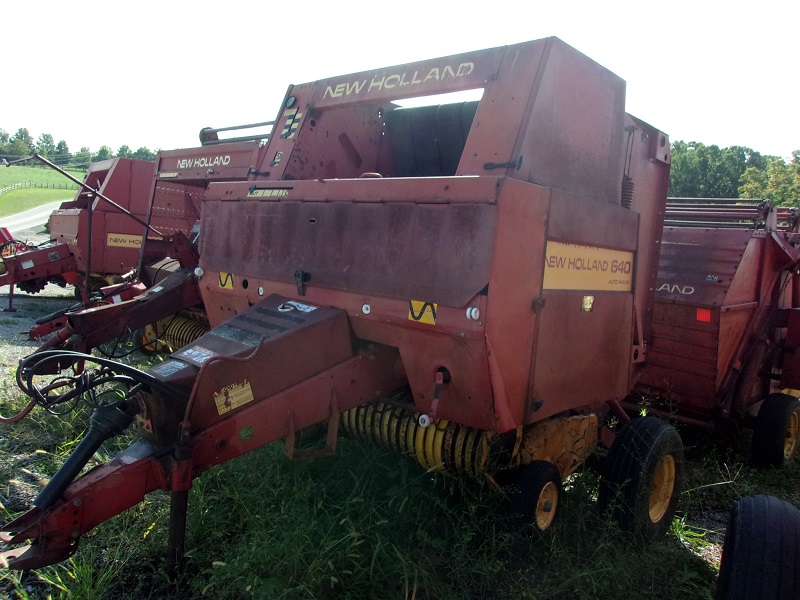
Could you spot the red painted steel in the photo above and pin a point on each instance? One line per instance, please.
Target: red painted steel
(718, 328)
(478, 255)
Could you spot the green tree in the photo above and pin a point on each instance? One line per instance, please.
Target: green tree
(779, 181)
(124, 151)
(4, 137)
(700, 171)
(45, 145)
(104, 153)
(144, 153)
(20, 144)
(61, 154)
(83, 158)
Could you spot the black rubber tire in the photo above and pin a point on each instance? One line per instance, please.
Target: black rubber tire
(769, 433)
(527, 487)
(640, 448)
(761, 554)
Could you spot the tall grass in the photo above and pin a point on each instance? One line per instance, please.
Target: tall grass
(368, 524)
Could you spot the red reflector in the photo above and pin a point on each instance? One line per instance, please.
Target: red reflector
(704, 315)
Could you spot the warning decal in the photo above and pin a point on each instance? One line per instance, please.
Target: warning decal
(226, 280)
(576, 267)
(422, 312)
(233, 396)
(291, 124)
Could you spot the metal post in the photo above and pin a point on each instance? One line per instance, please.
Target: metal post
(10, 300)
(178, 507)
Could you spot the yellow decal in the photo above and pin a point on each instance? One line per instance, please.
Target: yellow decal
(226, 280)
(233, 396)
(268, 192)
(291, 124)
(123, 240)
(576, 267)
(422, 312)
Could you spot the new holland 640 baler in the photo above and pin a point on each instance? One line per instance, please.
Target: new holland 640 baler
(469, 283)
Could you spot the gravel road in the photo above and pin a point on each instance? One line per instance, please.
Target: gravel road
(28, 307)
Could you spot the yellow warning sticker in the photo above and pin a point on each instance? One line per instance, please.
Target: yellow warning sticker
(577, 267)
(291, 123)
(226, 280)
(233, 396)
(422, 312)
(268, 192)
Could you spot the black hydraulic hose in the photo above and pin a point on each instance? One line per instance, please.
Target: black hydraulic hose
(106, 422)
(36, 364)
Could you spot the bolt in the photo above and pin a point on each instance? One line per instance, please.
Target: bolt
(77, 502)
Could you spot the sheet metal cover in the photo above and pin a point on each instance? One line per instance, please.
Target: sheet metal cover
(437, 252)
(697, 266)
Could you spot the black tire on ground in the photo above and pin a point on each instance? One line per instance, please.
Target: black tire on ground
(761, 554)
(535, 495)
(777, 430)
(643, 476)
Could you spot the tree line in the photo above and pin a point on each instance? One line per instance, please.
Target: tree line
(698, 170)
(22, 144)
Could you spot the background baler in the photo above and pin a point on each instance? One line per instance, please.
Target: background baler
(163, 254)
(469, 283)
(725, 336)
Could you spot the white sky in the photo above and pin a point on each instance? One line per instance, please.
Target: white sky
(152, 73)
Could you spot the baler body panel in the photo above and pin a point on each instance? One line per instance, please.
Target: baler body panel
(116, 238)
(718, 299)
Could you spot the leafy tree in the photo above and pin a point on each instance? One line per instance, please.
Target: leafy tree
(45, 145)
(83, 158)
(124, 151)
(62, 152)
(779, 181)
(700, 171)
(144, 153)
(104, 153)
(4, 136)
(20, 144)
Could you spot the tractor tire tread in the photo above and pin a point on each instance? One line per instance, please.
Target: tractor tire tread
(761, 552)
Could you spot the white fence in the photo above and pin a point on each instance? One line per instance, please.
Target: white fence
(31, 184)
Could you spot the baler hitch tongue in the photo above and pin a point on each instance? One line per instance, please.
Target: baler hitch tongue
(39, 554)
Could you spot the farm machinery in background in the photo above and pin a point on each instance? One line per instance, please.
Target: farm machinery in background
(67, 257)
(133, 268)
(725, 336)
(475, 284)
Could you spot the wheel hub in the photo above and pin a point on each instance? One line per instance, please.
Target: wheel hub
(663, 488)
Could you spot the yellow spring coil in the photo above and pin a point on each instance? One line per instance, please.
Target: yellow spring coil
(442, 446)
(181, 331)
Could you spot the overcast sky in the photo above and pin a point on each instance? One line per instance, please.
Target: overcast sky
(152, 73)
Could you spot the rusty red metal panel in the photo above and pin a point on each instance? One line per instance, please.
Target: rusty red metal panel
(220, 162)
(697, 266)
(682, 359)
(790, 373)
(570, 137)
(516, 282)
(425, 78)
(383, 248)
(582, 358)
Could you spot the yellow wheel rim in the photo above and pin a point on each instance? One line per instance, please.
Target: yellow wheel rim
(792, 434)
(546, 505)
(663, 488)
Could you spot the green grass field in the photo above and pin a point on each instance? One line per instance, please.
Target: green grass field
(23, 199)
(370, 524)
